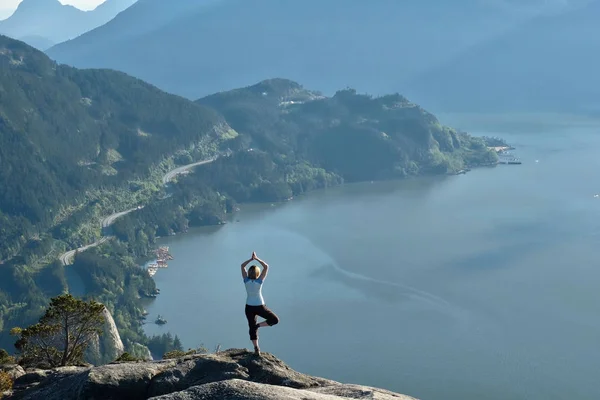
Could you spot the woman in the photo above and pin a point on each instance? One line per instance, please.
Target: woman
(255, 304)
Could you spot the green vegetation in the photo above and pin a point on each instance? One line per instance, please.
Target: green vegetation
(163, 344)
(84, 133)
(179, 353)
(6, 382)
(78, 145)
(6, 358)
(494, 141)
(175, 353)
(357, 137)
(126, 357)
(212, 192)
(62, 335)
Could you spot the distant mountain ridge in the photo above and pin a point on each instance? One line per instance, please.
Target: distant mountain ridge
(550, 64)
(43, 23)
(142, 17)
(210, 46)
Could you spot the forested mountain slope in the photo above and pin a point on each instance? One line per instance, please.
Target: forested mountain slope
(67, 132)
(356, 136)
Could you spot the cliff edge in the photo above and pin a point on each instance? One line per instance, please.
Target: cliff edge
(231, 374)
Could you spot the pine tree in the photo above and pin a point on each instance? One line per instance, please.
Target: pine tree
(177, 344)
(63, 333)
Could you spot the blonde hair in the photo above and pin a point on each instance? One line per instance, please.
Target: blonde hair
(253, 272)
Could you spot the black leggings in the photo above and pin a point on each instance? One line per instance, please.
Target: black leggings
(259, 311)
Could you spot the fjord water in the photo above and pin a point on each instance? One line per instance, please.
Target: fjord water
(477, 286)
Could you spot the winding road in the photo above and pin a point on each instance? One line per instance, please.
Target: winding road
(108, 221)
(68, 257)
(177, 171)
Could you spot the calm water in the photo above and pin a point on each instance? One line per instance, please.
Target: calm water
(479, 286)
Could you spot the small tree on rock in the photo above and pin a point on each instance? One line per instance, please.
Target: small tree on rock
(63, 333)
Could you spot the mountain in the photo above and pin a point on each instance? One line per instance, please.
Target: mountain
(76, 146)
(42, 23)
(66, 132)
(357, 136)
(205, 47)
(142, 17)
(229, 374)
(550, 63)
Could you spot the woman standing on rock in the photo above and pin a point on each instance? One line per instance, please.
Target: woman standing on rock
(255, 304)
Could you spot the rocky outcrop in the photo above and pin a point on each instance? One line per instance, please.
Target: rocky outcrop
(108, 346)
(112, 343)
(33, 377)
(243, 390)
(142, 352)
(234, 374)
(13, 370)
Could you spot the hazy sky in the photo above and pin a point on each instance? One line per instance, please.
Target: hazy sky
(8, 6)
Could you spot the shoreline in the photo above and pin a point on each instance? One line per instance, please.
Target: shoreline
(67, 258)
(231, 217)
(501, 149)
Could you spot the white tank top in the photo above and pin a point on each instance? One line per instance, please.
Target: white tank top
(254, 292)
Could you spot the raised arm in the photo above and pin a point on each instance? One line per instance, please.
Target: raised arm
(244, 272)
(265, 269)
